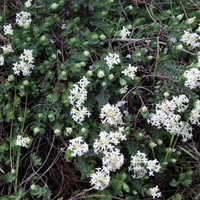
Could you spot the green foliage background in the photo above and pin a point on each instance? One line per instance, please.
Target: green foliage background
(62, 57)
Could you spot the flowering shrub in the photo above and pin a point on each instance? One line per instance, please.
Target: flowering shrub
(99, 99)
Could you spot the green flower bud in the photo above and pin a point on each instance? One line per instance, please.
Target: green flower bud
(54, 6)
(69, 130)
(166, 94)
(83, 130)
(111, 77)
(11, 78)
(86, 53)
(89, 73)
(103, 84)
(159, 142)
(152, 144)
(36, 130)
(57, 132)
(102, 37)
(26, 83)
(100, 74)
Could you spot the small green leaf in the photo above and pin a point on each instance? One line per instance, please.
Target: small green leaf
(68, 154)
(177, 197)
(126, 187)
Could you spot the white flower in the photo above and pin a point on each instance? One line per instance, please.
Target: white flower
(78, 95)
(23, 67)
(185, 130)
(78, 113)
(190, 20)
(23, 19)
(124, 33)
(113, 160)
(191, 39)
(78, 147)
(7, 49)
(192, 78)
(1, 60)
(100, 179)
(180, 16)
(110, 114)
(27, 56)
(153, 166)
(112, 59)
(84, 82)
(8, 29)
(104, 143)
(28, 3)
(195, 114)
(166, 117)
(22, 141)
(155, 192)
(130, 71)
(181, 102)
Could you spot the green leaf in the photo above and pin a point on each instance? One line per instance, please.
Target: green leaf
(126, 187)
(68, 154)
(177, 197)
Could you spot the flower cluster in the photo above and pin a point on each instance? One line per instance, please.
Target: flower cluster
(155, 192)
(77, 146)
(77, 97)
(100, 179)
(25, 64)
(195, 114)
(112, 59)
(130, 71)
(140, 165)
(107, 141)
(192, 78)
(124, 33)
(22, 141)
(112, 159)
(8, 29)
(191, 39)
(168, 116)
(111, 115)
(7, 49)
(23, 19)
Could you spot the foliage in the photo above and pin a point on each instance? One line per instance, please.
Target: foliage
(99, 99)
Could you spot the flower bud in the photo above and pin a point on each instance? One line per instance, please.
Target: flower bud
(54, 6)
(36, 130)
(152, 144)
(100, 74)
(11, 78)
(111, 77)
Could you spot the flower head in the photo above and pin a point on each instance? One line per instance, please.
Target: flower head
(155, 192)
(112, 59)
(100, 179)
(22, 141)
(192, 78)
(23, 19)
(130, 71)
(124, 33)
(78, 147)
(8, 29)
(110, 114)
